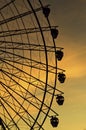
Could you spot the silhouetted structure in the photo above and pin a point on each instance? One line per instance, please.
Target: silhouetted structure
(54, 33)
(59, 55)
(46, 11)
(59, 99)
(54, 121)
(61, 77)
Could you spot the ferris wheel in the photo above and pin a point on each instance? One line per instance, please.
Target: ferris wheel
(28, 66)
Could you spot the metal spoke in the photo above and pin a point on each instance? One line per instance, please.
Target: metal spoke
(6, 5)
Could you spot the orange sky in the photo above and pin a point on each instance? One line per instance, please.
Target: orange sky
(70, 16)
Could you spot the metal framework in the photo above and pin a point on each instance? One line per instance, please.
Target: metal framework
(28, 65)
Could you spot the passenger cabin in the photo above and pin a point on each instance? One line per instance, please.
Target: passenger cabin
(61, 77)
(60, 99)
(59, 55)
(54, 121)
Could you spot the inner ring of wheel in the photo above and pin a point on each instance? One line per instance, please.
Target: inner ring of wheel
(46, 70)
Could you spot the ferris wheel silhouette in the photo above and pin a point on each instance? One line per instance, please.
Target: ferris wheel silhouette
(28, 66)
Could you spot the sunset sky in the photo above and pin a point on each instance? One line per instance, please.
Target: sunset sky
(70, 16)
